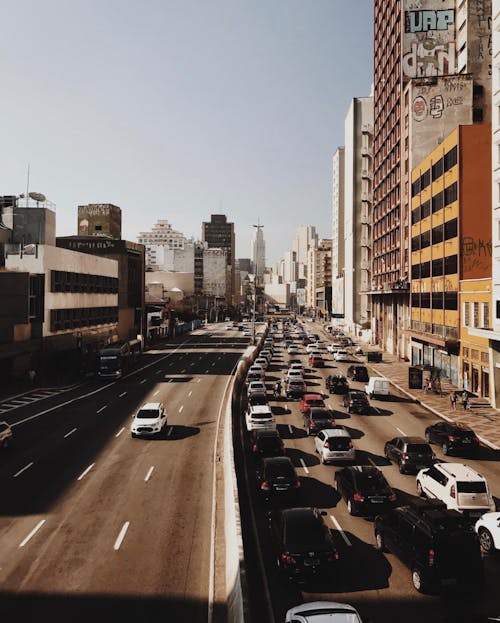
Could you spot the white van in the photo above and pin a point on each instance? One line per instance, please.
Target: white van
(377, 386)
(457, 485)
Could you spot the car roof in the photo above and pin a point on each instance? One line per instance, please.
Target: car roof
(414, 439)
(460, 470)
(277, 460)
(327, 608)
(151, 405)
(337, 432)
(314, 396)
(260, 409)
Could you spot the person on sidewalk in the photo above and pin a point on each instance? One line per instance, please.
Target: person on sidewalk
(453, 400)
(465, 400)
(32, 376)
(428, 385)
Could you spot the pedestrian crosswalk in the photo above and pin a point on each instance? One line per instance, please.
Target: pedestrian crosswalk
(26, 399)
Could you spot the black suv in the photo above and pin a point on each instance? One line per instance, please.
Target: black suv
(258, 399)
(318, 418)
(302, 541)
(365, 490)
(358, 373)
(453, 437)
(336, 384)
(278, 479)
(438, 545)
(267, 443)
(356, 402)
(410, 453)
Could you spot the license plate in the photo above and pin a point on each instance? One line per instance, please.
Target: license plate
(377, 500)
(281, 488)
(448, 581)
(311, 562)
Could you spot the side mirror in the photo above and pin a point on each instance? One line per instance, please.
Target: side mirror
(323, 513)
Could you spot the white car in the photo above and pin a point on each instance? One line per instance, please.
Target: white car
(488, 530)
(246, 333)
(260, 417)
(292, 349)
(341, 355)
(333, 347)
(256, 387)
(296, 366)
(256, 369)
(459, 486)
(263, 362)
(229, 327)
(267, 354)
(323, 612)
(293, 374)
(310, 347)
(151, 419)
(334, 444)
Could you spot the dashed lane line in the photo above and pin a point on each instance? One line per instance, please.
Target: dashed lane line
(122, 394)
(32, 533)
(171, 428)
(23, 469)
(156, 392)
(401, 431)
(143, 381)
(303, 463)
(121, 536)
(190, 392)
(102, 409)
(120, 432)
(83, 474)
(290, 429)
(70, 432)
(339, 528)
(181, 408)
(148, 475)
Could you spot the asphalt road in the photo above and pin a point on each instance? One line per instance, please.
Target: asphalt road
(379, 585)
(96, 524)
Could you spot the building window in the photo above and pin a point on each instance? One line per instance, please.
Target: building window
(425, 209)
(451, 300)
(437, 169)
(465, 352)
(450, 265)
(425, 270)
(498, 309)
(486, 315)
(425, 239)
(437, 202)
(450, 194)
(475, 315)
(450, 229)
(466, 314)
(438, 267)
(425, 180)
(450, 159)
(437, 234)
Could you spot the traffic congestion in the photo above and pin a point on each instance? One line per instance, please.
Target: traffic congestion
(360, 497)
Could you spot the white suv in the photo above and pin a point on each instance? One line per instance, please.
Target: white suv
(457, 485)
(488, 530)
(259, 417)
(151, 419)
(5, 435)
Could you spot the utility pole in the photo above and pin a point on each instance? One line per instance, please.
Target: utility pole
(258, 227)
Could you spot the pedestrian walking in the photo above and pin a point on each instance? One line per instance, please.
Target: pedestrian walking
(465, 400)
(31, 376)
(453, 400)
(428, 385)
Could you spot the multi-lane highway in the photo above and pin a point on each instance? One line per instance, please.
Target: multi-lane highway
(96, 524)
(378, 584)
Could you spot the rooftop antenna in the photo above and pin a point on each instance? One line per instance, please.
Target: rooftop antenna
(28, 185)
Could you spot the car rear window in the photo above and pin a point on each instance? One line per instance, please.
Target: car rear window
(339, 443)
(258, 399)
(321, 414)
(261, 416)
(471, 487)
(269, 443)
(416, 448)
(284, 469)
(318, 402)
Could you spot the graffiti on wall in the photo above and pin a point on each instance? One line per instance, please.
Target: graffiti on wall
(429, 57)
(422, 21)
(434, 100)
(476, 254)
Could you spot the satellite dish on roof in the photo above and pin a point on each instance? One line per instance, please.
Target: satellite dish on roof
(37, 197)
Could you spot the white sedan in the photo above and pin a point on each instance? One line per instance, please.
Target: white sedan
(488, 530)
(333, 347)
(321, 611)
(341, 355)
(293, 374)
(256, 387)
(260, 417)
(292, 349)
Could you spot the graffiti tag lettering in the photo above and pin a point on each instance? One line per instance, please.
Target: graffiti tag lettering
(423, 21)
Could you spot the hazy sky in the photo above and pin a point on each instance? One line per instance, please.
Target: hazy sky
(177, 109)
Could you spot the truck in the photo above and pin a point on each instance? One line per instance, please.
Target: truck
(117, 359)
(377, 386)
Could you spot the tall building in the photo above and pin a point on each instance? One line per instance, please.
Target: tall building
(319, 280)
(357, 210)
(338, 264)
(100, 219)
(305, 237)
(218, 233)
(258, 251)
(161, 237)
(418, 44)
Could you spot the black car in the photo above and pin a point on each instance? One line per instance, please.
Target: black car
(278, 479)
(438, 545)
(295, 389)
(365, 490)
(267, 443)
(356, 402)
(410, 453)
(453, 437)
(318, 418)
(336, 384)
(358, 373)
(258, 399)
(302, 541)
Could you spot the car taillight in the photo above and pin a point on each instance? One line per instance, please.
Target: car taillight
(297, 484)
(453, 438)
(350, 444)
(452, 491)
(289, 560)
(264, 486)
(432, 555)
(475, 440)
(327, 444)
(357, 497)
(333, 556)
(254, 447)
(404, 455)
(393, 497)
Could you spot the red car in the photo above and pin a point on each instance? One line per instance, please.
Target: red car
(311, 400)
(316, 361)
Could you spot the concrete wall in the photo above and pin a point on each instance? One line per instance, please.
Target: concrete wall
(169, 280)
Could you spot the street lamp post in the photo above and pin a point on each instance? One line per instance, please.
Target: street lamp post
(258, 227)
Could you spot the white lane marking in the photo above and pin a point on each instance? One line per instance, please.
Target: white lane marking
(170, 380)
(70, 433)
(121, 536)
(83, 474)
(286, 407)
(23, 470)
(122, 394)
(198, 380)
(170, 431)
(342, 533)
(183, 371)
(32, 533)
(213, 364)
(206, 371)
(148, 475)
(158, 371)
(401, 431)
(101, 409)
(143, 381)
(120, 432)
(290, 429)
(376, 409)
(181, 408)
(156, 392)
(190, 392)
(304, 466)
(372, 461)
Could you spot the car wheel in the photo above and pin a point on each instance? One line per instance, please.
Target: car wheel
(401, 468)
(322, 459)
(428, 438)
(379, 542)
(445, 449)
(348, 409)
(416, 577)
(6, 443)
(486, 541)
(350, 508)
(134, 435)
(420, 491)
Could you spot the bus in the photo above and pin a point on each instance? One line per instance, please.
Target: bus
(117, 359)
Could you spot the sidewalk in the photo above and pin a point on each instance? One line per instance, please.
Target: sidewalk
(481, 416)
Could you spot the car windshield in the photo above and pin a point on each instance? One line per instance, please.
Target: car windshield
(320, 414)
(372, 483)
(258, 399)
(283, 470)
(471, 487)
(339, 443)
(317, 402)
(148, 414)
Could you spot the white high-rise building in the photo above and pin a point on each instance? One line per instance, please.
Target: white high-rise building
(258, 251)
(338, 264)
(305, 237)
(161, 236)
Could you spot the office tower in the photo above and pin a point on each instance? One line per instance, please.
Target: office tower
(218, 233)
(100, 219)
(258, 251)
